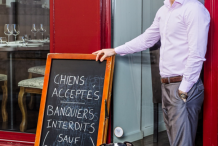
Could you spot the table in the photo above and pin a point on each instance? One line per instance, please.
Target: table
(10, 74)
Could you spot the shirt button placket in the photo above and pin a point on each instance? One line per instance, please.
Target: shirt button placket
(164, 36)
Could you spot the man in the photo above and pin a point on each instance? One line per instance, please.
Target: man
(182, 26)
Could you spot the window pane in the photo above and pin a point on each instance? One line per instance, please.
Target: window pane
(24, 44)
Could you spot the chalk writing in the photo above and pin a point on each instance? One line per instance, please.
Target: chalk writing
(73, 104)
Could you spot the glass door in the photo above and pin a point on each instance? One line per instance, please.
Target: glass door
(137, 112)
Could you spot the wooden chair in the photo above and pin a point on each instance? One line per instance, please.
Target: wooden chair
(40, 70)
(36, 70)
(3, 78)
(32, 86)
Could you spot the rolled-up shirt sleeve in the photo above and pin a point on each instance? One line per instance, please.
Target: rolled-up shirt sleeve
(197, 21)
(142, 42)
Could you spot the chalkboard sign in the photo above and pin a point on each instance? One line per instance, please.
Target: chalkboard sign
(75, 101)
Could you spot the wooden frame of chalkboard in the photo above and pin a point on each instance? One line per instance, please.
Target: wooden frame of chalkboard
(106, 94)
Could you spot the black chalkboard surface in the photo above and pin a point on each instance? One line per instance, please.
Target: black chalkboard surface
(74, 102)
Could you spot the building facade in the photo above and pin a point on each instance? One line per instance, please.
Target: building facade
(30, 29)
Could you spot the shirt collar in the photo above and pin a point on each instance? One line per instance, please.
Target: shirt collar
(167, 2)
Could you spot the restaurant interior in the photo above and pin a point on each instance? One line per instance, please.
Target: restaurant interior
(24, 45)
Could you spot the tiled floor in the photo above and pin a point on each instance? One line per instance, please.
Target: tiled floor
(163, 140)
(148, 141)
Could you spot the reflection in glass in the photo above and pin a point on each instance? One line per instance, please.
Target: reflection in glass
(8, 30)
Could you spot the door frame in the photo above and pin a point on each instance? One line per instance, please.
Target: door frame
(210, 120)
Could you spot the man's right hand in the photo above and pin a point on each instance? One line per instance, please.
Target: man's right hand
(105, 53)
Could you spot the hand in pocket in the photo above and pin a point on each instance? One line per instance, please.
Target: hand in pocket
(183, 95)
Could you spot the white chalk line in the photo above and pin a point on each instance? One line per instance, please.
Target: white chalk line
(92, 141)
(72, 102)
(45, 139)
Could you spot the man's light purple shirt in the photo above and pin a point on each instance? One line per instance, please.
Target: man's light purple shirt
(183, 31)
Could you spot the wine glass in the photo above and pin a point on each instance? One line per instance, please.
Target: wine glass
(3, 40)
(45, 5)
(42, 30)
(48, 37)
(34, 30)
(22, 40)
(15, 30)
(8, 30)
(26, 37)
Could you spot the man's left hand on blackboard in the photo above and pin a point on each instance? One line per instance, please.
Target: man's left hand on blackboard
(105, 53)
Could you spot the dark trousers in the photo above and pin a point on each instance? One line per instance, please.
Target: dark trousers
(181, 118)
